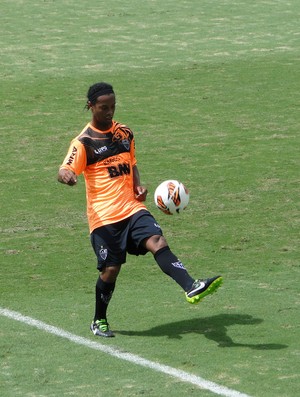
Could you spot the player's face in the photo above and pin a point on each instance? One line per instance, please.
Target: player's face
(103, 111)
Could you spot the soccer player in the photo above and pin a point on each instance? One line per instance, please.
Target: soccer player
(119, 222)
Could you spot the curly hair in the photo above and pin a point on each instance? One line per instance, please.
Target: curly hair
(97, 90)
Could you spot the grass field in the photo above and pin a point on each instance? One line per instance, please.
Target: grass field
(211, 90)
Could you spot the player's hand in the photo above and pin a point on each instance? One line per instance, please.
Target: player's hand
(67, 177)
(141, 193)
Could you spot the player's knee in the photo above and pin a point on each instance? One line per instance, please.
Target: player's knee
(110, 273)
(155, 243)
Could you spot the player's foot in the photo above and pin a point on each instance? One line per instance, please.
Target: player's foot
(202, 288)
(101, 328)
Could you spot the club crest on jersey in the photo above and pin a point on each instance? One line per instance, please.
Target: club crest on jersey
(126, 143)
(103, 253)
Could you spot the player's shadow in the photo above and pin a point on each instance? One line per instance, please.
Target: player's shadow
(213, 328)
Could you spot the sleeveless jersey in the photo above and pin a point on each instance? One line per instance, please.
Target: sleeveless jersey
(106, 159)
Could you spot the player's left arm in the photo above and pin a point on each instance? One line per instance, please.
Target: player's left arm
(140, 191)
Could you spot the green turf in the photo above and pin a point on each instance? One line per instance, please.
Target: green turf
(211, 90)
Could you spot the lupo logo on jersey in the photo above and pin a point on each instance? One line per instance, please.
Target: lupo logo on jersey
(101, 150)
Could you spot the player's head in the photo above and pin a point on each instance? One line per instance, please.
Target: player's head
(102, 102)
(97, 90)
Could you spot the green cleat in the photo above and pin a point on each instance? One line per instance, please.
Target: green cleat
(101, 328)
(202, 288)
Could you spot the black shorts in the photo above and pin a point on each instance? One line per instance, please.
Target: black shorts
(112, 242)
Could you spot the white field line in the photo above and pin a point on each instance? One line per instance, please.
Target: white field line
(132, 358)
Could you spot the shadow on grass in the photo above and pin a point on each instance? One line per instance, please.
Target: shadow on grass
(213, 328)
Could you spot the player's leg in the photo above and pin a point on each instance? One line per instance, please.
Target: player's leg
(104, 290)
(195, 290)
(109, 259)
(169, 263)
(105, 287)
(146, 235)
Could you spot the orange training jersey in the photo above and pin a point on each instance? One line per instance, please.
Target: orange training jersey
(106, 159)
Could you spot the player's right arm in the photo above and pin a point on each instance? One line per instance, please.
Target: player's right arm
(67, 177)
(73, 164)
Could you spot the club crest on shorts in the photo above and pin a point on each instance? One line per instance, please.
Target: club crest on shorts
(103, 253)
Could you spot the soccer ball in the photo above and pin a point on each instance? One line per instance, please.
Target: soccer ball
(171, 196)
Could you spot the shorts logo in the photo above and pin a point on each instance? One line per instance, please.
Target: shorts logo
(103, 253)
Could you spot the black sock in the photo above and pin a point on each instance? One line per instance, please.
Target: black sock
(173, 267)
(104, 293)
